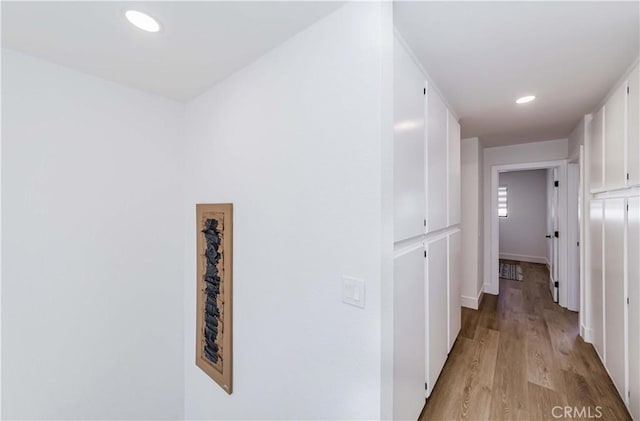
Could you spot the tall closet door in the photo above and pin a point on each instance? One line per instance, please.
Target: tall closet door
(614, 123)
(596, 150)
(455, 275)
(408, 335)
(596, 256)
(437, 310)
(436, 162)
(408, 147)
(453, 178)
(633, 129)
(614, 291)
(633, 276)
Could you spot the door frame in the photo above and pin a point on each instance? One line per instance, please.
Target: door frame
(575, 242)
(494, 286)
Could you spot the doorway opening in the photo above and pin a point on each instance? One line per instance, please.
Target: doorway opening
(527, 220)
(565, 290)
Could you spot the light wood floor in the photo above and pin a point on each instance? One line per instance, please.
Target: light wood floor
(518, 357)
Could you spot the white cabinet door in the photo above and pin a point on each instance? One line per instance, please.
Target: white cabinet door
(455, 272)
(614, 144)
(437, 310)
(614, 291)
(408, 335)
(633, 129)
(409, 147)
(596, 150)
(596, 275)
(633, 279)
(436, 162)
(453, 178)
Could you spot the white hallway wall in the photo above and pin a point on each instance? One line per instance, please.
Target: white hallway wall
(471, 222)
(289, 140)
(91, 247)
(522, 232)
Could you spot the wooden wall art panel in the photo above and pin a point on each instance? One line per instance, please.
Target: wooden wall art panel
(214, 331)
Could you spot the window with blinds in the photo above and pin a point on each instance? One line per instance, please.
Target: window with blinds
(502, 201)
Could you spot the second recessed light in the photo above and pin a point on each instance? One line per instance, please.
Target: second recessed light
(525, 99)
(142, 21)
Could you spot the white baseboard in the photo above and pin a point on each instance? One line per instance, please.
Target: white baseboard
(493, 288)
(523, 258)
(587, 334)
(472, 302)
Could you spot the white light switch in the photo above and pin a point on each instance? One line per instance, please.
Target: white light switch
(353, 291)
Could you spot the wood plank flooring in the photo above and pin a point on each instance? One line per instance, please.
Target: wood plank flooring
(520, 356)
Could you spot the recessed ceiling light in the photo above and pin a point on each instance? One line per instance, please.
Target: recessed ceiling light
(525, 99)
(142, 21)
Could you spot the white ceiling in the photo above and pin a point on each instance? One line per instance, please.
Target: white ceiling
(201, 42)
(484, 55)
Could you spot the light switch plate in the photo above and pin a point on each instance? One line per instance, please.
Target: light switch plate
(353, 291)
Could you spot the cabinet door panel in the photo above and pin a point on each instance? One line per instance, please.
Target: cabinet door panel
(409, 147)
(633, 277)
(453, 178)
(614, 141)
(614, 292)
(595, 251)
(596, 150)
(436, 162)
(455, 272)
(408, 335)
(437, 310)
(633, 129)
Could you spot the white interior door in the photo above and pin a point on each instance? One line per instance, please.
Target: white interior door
(408, 335)
(437, 310)
(554, 238)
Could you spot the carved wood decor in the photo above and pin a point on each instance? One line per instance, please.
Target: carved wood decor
(214, 231)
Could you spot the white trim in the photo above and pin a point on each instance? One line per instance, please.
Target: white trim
(407, 249)
(603, 237)
(581, 236)
(573, 237)
(586, 312)
(622, 192)
(524, 258)
(403, 247)
(472, 302)
(386, 318)
(587, 334)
